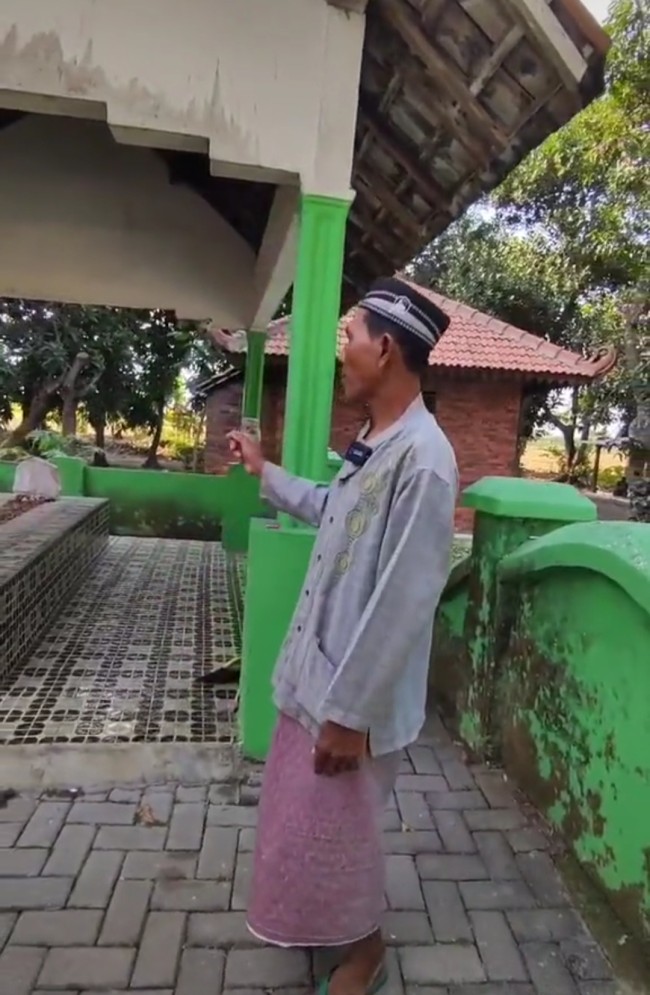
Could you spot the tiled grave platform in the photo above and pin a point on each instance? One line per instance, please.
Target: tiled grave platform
(121, 661)
(44, 556)
(144, 890)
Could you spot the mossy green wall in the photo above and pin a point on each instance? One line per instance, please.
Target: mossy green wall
(573, 714)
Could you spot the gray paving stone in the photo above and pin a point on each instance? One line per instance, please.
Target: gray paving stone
(131, 838)
(9, 833)
(458, 776)
(102, 813)
(424, 760)
(421, 783)
(218, 853)
(67, 927)
(585, 960)
(497, 856)
(414, 811)
(232, 815)
(407, 928)
(196, 793)
(96, 880)
(44, 825)
(26, 863)
(407, 842)
(159, 804)
(80, 967)
(122, 795)
(451, 867)
(496, 895)
(495, 988)
(17, 894)
(443, 963)
(526, 839)
(18, 810)
(191, 896)
(7, 923)
(494, 818)
(19, 969)
(201, 971)
(219, 929)
(463, 801)
(497, 947)
(453, 831)
(429, 990)
(545, 925)
(403, 883)
(70, 851)
(547, 969)
(266, 968)
(600, 988)
(544, 879)
(242, 883)
(246, 839)
(496, 788)
(186, 827)
(159, 864)
(125, 915)
(159, 950)
(447, 912)
(391, 821)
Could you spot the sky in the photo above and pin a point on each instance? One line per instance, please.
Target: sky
(598, 8)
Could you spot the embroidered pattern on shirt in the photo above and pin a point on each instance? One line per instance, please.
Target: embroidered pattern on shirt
(359, 517)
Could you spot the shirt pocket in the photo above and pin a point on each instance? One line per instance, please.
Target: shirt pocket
(317, 675)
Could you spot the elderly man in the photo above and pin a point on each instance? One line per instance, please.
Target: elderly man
(351, 681)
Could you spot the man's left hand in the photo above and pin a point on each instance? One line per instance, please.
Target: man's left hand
(339, 749)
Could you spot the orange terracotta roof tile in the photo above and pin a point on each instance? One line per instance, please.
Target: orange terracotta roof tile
(473, 341)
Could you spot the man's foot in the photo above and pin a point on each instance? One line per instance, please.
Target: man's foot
(361, 969)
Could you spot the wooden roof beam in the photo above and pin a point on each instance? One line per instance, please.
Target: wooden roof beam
(447, 78)
(552, 38)
(431, 190)
(375, 189)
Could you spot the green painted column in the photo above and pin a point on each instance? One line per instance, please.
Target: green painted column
(312, 353)
(279, 552)
(254, 376)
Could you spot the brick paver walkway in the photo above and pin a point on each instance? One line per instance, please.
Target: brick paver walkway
(144, 890)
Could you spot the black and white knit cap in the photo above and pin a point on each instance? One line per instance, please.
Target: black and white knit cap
(403, 305)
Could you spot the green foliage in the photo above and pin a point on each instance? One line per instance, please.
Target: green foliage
(48, 445)
(611, 478)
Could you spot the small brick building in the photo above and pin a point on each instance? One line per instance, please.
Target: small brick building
(479, 374)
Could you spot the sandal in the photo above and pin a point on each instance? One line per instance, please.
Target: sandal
(379, 979)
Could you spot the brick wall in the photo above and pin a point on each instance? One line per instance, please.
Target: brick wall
(480, 417)
(481, 420)
(224, 413)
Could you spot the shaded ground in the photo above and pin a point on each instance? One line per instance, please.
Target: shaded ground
(143, 889)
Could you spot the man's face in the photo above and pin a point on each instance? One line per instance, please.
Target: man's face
(363, 362)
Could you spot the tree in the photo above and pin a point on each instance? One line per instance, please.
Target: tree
(587, 191)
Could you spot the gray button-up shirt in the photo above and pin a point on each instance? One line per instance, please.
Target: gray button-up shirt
(357, 652)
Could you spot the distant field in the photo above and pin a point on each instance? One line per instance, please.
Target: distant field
(541, 458)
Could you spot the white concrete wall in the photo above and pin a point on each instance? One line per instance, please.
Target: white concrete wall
(263, 86)
(85, 219)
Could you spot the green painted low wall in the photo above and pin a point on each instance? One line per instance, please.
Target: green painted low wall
(541, 656)
(573, 708)
(165, 504)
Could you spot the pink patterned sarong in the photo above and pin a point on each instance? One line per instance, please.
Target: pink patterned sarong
(318, 877)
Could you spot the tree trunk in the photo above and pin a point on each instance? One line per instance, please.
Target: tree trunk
(38, 409)
(151, 462)
(99, 428)
(69, 414)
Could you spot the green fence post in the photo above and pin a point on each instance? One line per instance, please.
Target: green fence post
(279, 552)
(509, 512)
(254, 376)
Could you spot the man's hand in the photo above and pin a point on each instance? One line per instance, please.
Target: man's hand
(338, 749)
(248, 451)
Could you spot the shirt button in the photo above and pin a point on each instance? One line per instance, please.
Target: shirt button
(331, 520)
(299, 628)
(319, 558)
(306, 594)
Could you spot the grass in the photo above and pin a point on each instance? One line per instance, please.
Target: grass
(542, 458)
